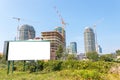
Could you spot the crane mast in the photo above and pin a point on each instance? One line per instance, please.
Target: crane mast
(63, 26)
(18, 19)
(29, 31)
(96, 42)
(95, 32)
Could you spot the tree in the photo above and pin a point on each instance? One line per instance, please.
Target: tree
(59, 52)
(71, 57)
(92, 56)
(106, 57)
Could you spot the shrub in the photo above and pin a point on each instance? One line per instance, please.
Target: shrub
(56, 65)
(82, 74)
(52, 66)
(40, 65)
(33, 67)
(68, 64)
(90, 74)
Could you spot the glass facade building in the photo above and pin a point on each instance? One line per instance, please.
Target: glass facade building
(73, 47)
(99, 49)
(89, 40)
(26, 32)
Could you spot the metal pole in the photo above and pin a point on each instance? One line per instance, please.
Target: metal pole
(36, 65)
(8, 70)
(12, 66)
(24, 65)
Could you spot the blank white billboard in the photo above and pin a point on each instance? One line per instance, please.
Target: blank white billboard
(29, 50)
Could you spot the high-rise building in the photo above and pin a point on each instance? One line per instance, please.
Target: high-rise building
(73, 47)
(99, 49)
(89, 40)
(55, 39)
(60, 30)
(26, 32)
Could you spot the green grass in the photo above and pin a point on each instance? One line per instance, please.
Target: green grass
(34, 76)
(87, 71)
(56, 75)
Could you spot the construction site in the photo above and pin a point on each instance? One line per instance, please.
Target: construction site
(56, 36)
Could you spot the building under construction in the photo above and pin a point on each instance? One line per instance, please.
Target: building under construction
(56, 39)
(26, 32)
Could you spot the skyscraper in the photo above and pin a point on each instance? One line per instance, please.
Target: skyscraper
(89, 40)
(99, 49)
(73, 47)
(26, 32)
(60, 30)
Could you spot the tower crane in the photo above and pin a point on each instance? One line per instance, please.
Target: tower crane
(29, 32)
(94, 27)
(18, 19)
(63, 25)
(61, 18)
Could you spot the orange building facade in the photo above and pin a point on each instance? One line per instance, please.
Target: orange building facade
(55, 39)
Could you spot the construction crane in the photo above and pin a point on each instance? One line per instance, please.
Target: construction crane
(18, 19)
(29, 32)
(62, 20)
(63, 25)
(94, 27)
(96, 42)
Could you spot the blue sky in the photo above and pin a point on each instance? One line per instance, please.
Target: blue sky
(77, 13)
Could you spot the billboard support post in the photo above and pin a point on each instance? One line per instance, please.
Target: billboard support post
(24, 64)
(36, 65)
(12, 66)
(8, 70)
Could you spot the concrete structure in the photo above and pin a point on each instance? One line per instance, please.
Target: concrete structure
(89, 40)
(73, 47)
(26, 32)
(55, 39)
(62, 32)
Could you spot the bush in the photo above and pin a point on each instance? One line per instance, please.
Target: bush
(68, 64)
(52, 66)
(81, 74)
(56, 65)
(33, 67)
(90, 74)
(40, 65)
